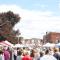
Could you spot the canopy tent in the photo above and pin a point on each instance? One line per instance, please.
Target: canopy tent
(57, 45)
(30, 45)
(9, 43)
(19, 45)
(6, 43)
(49, 45)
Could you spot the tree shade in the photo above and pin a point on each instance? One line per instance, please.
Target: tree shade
(7, 22)
(2, 38)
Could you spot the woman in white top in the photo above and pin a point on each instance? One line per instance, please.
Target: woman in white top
(1, 55)
(47, 56)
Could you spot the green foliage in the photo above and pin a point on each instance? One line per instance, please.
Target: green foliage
(2, 38)
(7, 22)
(9, 16)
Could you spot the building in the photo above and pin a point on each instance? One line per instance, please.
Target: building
(53, 37)
(33, 41)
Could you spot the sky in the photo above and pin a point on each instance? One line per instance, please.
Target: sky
(37, 16)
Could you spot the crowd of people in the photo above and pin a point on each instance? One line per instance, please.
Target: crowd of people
(8, 53)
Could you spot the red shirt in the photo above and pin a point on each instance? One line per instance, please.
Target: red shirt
(27, 58)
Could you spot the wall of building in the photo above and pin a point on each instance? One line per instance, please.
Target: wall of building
(53, 37)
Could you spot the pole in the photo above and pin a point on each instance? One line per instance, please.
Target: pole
(18, 40)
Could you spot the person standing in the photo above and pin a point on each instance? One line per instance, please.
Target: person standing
(15, 54)
(1, 55)
(6, 54)
(27, 56)
(56, 54)
(47, 56)
(10, 51)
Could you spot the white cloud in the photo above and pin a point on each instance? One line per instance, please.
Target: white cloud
(34, 23)
(58, 4)
(40, 5)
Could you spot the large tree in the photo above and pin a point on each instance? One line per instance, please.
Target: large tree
(7, 22)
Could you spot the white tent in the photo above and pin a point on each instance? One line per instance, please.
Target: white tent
(49, 45)
(6, 43)
(57, 45)
(19, 45)
(2, 44)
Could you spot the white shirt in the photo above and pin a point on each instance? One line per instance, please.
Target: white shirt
(15, 52)
(1, 57)
(48, 57)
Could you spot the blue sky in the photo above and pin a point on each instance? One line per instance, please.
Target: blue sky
(38, 16)
(51, 5)
(43, 5)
